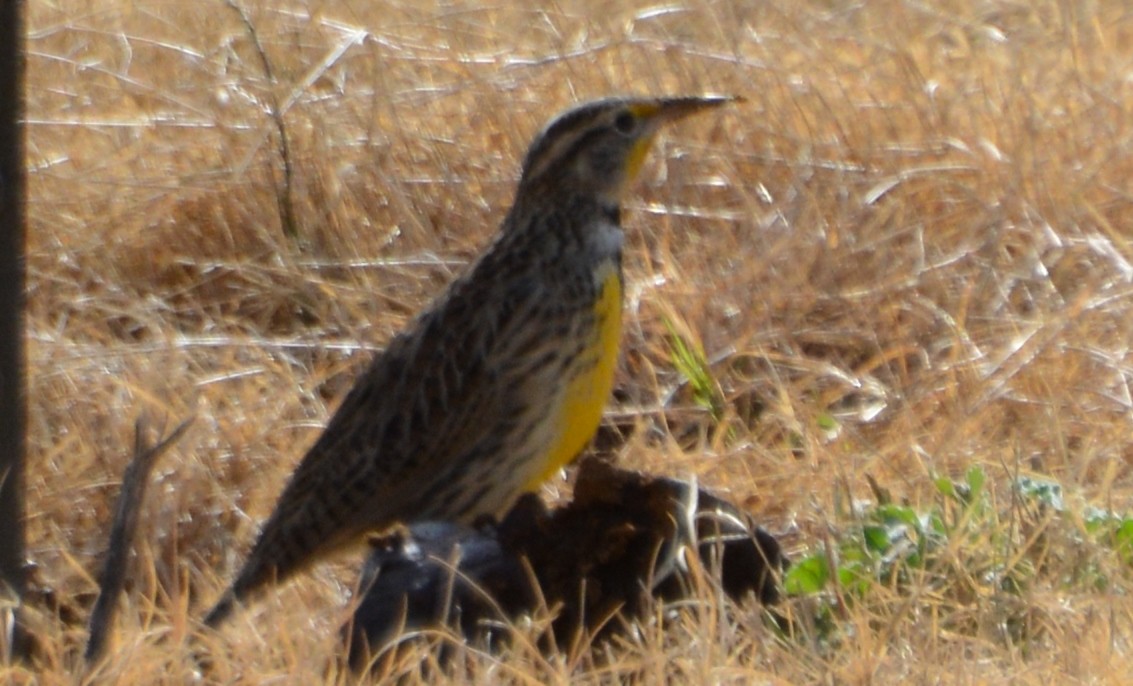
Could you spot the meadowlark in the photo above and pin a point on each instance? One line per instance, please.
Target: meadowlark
(502, 381)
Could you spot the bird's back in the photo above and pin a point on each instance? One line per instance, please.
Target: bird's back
(493, 389)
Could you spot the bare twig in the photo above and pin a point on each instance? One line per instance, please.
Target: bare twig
(113, 576)
(283, 195)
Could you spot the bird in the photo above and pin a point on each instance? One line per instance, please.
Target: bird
(500, 382)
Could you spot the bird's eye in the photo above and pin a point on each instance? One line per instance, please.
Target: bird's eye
(626, 123)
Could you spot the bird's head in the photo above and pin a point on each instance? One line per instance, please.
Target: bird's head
(598, 147)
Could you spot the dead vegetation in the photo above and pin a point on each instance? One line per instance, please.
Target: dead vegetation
(907, 255)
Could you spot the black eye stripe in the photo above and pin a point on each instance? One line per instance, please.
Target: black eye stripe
(574, 133)
(583, 143)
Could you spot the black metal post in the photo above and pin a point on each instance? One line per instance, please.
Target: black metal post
(12, 384)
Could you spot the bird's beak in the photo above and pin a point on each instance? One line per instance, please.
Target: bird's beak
(663, 110)
(656, 112)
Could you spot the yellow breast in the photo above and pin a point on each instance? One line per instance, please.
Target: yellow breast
(587, 393)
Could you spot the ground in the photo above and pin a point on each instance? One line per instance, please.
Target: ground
(884, 305)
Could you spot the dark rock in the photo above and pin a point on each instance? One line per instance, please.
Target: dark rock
(622, 542)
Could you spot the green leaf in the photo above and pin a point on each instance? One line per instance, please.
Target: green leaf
(899, 514)
(855, 579)
(1044, 491)
(808, 577)
(876, 538)
(826, 422)
(976, 479)
(1123, 540)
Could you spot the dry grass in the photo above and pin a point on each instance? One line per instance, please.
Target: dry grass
(922, 208)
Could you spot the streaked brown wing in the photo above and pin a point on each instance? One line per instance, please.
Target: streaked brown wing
(431, 398)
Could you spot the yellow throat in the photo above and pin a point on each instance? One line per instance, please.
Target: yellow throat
(588, 392)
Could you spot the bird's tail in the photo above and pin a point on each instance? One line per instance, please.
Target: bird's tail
(221, 610)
